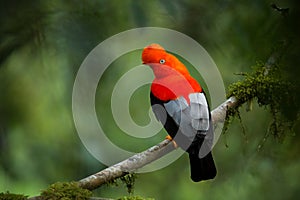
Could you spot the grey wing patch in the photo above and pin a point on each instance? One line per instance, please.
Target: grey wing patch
(199, 111)
(190, 118)
(175, 108)
(179, 110)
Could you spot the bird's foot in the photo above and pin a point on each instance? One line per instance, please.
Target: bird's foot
(168, 137)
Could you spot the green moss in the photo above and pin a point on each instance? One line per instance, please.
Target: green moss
(9, 196)
(128, 180)
(270, 89)
(262, 84)
(65, 191)
(134, 198)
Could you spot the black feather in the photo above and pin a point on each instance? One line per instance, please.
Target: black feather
(201, 168)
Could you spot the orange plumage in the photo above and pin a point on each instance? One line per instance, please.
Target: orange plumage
(172, 79)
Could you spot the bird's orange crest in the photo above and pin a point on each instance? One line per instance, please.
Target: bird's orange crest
(172, 79)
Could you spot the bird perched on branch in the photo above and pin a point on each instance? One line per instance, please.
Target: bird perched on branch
(179, 103)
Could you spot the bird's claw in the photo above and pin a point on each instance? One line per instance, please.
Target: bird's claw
(168, 137)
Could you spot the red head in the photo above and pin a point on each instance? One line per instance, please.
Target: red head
(172, 78)
(158, 59)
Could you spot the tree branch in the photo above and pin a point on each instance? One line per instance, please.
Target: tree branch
(129, 165)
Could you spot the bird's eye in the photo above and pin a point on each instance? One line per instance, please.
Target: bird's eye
(162, 61)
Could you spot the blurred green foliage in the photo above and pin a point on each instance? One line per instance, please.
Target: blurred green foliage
(43, 43)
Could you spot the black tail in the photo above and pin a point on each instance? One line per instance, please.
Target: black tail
(202, 168)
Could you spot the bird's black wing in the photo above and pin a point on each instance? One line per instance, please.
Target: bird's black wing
(191, 127)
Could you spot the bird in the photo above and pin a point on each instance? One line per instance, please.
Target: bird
(179, 103)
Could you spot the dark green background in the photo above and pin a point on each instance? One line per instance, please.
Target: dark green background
(43, 43)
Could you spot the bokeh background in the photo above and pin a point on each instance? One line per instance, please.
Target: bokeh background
(43, 43)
